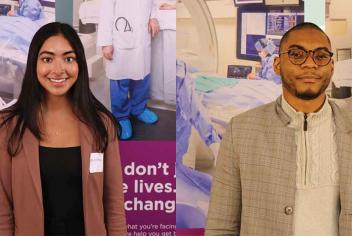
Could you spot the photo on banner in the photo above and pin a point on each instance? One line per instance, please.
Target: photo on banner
(225, 51)
(141, 73)
(18, 23)
(148, 157)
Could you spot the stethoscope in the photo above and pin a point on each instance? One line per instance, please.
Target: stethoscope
(128, 27)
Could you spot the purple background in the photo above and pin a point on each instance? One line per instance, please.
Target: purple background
(149, 153)
(190, 232)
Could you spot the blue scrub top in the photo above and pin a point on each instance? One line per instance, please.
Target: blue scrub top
(31, 9)
(267, 72)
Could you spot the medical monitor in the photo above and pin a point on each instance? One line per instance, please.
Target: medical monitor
(4, 9)
(47, 3)
(238, 71)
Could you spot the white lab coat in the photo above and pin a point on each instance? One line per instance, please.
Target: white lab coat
(124, 24)
(163, 83)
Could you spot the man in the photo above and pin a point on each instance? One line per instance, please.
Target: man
(125, 30)
(285, 168)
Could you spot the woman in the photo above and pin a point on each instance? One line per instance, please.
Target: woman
(60, 170)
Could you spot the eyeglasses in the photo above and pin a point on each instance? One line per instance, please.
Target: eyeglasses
(298, 56)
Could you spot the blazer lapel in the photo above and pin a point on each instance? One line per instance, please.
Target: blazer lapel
(86, 140)
(31, 150)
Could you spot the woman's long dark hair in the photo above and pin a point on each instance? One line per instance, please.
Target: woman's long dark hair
(26, 111)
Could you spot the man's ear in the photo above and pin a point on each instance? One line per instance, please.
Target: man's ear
(277, 66)
(332, 66)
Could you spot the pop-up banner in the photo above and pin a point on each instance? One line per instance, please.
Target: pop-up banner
(149, 186)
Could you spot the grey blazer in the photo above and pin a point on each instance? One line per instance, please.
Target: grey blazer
(254, 185)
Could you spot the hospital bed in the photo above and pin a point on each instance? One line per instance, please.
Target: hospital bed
(221, 103)
(15, 36)
(205, 105)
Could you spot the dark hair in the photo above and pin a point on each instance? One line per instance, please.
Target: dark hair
(303, 25)
(26, 111)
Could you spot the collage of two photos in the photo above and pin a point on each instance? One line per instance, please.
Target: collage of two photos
(99, 128)
(88, 103)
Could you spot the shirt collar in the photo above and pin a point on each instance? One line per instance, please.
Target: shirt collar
(313, 119)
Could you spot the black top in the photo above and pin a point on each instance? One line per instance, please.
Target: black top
(61, 177)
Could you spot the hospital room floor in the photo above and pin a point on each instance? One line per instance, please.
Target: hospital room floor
(164, 129)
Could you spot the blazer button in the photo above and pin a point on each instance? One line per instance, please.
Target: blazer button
(288, 210)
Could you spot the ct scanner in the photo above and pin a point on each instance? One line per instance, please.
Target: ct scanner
(205, 56)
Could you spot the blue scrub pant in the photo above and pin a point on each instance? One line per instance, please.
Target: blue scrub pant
(129, 97)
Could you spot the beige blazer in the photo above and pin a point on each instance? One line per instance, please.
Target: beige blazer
(254, 186)
(21, 203)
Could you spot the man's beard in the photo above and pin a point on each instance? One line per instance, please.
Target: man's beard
(305, 95)
(309, 95)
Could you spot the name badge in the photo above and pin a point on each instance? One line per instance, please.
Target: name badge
(96, 162)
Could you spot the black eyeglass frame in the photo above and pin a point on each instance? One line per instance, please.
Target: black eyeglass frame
(308, 54)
